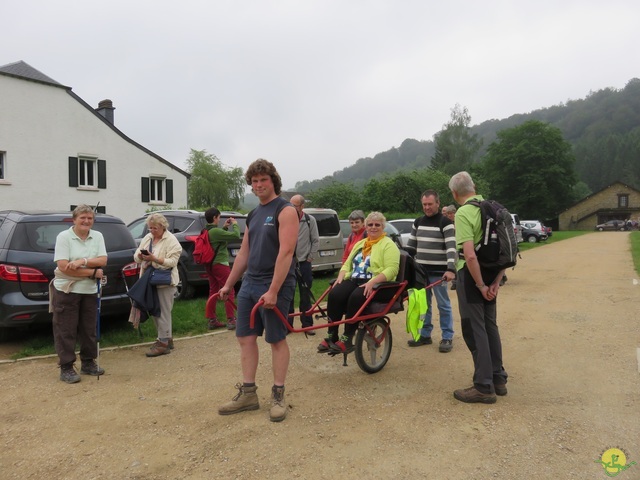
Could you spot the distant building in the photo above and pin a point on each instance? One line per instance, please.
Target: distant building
(618, 201)
(56, 152)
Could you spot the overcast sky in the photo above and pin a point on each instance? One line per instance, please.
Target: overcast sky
(314, 85)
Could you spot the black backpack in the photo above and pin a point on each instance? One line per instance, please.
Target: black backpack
(498, 247)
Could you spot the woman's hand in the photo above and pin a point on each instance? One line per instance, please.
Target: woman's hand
(340, 278)
(368, 288)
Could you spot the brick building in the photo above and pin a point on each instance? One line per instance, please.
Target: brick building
(618, 201)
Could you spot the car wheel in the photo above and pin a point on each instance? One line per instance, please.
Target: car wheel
(600, 229)
(184, 289)
(532, 239)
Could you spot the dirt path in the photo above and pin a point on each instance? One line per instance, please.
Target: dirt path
(568, 318)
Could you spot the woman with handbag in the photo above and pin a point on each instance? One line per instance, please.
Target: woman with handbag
(161, 250)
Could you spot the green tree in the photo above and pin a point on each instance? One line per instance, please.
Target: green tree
(456, 147)
(531, 170)
(338, 196)
(212, 183)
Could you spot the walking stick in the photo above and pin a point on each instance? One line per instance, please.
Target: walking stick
(99, 284)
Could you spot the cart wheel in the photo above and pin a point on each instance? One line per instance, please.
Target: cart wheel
(373, 345)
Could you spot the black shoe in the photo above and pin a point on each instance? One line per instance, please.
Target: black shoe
(91, 368)
(500, 389)
(445, 346)
(421, 341)
(68, 374)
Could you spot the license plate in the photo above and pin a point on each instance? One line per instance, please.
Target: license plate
(327, 253)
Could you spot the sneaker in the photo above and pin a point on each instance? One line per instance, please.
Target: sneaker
(68, 374)
(421, 341)
(325, 345)
(472, 395)
(445, 346)
(501, 389)
(214, 323)
(90, 367)
(279, 409)
(246, 399)
(344, 345)
(231, 324)
(159, 348)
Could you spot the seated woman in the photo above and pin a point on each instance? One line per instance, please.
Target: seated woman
(373, 260)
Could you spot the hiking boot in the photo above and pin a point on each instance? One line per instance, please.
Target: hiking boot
(279, 409)
(214, 323)
(472, 395)
(445, 346)
(231, 324)
(344, 345)
(68, 374)
(246, 399)
(501, 389)
(158, 348)
(171, 347)
(421, 341)
(90, 367)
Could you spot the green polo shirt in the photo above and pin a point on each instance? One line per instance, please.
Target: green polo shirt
(468, 223)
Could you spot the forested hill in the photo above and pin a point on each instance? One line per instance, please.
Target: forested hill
(604, 129)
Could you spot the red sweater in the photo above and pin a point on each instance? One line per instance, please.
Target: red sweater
(352, 239)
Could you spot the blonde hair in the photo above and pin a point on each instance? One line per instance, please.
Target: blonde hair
(376, 216)
(158, 219)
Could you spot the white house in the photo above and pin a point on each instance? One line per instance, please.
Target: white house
(56, 152)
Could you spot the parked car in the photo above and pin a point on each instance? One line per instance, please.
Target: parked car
(612, 225)
(27, 243)
(517, 227)
(403, 225)
(331, 246)
(533, 231)
(390, 230)
(186, 225)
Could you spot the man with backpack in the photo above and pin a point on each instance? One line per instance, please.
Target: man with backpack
(477, 289)
(306, 250)
(218, 269)
(432, 243)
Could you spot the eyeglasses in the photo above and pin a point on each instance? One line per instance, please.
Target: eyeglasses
(374, 224)
(297, 206)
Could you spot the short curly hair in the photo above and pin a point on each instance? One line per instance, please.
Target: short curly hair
(264, 167)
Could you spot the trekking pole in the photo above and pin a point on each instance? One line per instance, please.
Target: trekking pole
(99, 285)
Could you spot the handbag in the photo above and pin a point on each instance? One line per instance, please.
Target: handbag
(160, 276)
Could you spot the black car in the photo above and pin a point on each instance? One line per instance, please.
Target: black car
(27, 242)
(186, 225)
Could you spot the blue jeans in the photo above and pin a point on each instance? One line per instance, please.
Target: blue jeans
(444, 307)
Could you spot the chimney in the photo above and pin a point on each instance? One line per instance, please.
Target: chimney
(106, 108)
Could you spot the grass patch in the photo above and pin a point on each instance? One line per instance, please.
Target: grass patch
(188, 320)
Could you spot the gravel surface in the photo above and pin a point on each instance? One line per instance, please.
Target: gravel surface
(568, 319)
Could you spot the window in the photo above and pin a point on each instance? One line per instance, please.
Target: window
(623, 200)
(157, 190)
(2, 165)
(87, 172)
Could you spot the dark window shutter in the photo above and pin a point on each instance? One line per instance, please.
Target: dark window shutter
(73, 171)
(145, 189)
(102, 174)
(169, 190)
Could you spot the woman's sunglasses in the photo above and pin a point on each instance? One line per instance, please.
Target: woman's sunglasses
(374, 224)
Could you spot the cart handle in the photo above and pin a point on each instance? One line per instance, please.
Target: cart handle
(215, 297)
